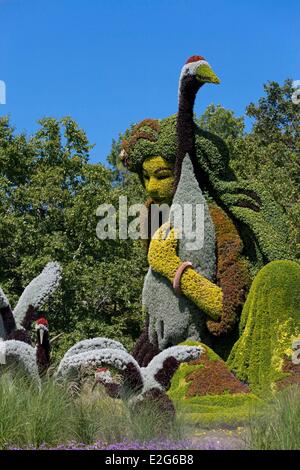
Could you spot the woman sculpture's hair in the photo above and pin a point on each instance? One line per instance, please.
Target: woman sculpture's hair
(259, 219)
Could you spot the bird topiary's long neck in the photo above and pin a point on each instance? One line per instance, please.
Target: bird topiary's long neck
(43, 355)
(185, 123)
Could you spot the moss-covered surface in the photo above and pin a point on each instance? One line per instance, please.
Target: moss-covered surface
(269, 324)
(208, 394)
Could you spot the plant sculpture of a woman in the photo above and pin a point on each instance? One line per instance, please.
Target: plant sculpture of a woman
(241, 295)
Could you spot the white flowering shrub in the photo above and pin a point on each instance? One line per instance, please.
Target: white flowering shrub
(93, 344)
(70, 365)
(18, 352)
(179, 353)
(38, 291)
(145, 378)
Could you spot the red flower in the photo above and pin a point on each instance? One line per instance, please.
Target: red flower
(101, 369)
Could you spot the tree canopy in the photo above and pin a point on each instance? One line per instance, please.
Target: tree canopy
(49, 197)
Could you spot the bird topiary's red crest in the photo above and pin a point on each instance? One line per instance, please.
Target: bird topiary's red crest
(101, 369)
(194, 58)
(42, 321)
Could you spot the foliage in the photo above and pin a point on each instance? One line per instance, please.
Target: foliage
(149, 138)
(232, 271)
(269, 153)
(30, 416)
(277, 117)
(257, 213)
(261, 220)
(222, 122)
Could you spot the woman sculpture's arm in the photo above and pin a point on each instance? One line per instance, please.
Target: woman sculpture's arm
(163, 258)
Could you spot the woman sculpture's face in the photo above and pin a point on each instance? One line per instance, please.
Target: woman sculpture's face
(158, 175)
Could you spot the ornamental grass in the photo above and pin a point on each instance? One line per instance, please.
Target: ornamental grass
(58, 414)
(278, 427)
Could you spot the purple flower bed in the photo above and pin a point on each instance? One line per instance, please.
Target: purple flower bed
(162, 444)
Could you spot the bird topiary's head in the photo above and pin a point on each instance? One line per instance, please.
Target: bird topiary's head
(197, 69)
(41, 328)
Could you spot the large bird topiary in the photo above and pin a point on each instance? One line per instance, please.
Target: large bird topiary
(15, 325)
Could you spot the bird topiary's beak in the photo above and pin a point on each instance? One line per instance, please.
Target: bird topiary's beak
(205, 74)
(41, 335)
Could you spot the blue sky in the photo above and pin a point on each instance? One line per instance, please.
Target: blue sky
(109, 63)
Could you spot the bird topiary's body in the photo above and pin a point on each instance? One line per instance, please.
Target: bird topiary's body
(15, 325)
